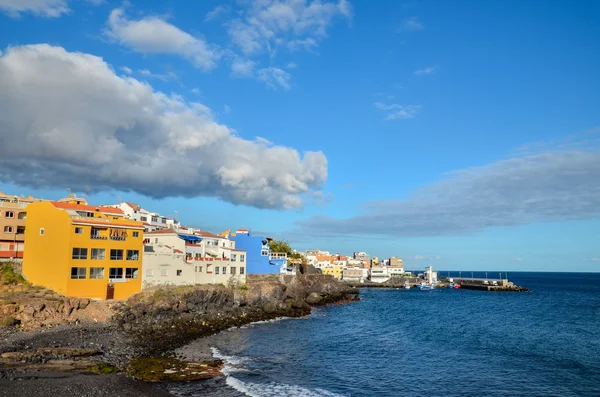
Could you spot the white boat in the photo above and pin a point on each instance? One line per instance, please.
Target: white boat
(426, 287)
(406, 286)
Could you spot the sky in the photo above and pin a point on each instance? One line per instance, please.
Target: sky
(463, 135)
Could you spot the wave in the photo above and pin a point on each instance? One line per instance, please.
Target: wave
(271, 389)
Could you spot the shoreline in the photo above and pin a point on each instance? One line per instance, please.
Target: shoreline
(174, 320)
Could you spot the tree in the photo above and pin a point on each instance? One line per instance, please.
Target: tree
(283, 246)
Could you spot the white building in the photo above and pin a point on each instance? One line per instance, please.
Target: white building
(207, 258)
(380, 274)
(357, 274)
(430, 276)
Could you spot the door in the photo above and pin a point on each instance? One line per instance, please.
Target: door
(110, 291)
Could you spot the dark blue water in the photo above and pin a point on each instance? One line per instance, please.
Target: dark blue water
(417, 343)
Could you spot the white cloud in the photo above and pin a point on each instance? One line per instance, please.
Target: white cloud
(291, 65)
(226, 109)
(218, 10)
(242, 67)
(43, 8)
(551, 186)
(155, 35)
(419, 257)
(168, 75)
(126, 70)
(298, 24)
(395, 111)
(275, 77)
(195, 91)
(412, 24)
(424, 71)
(95, 128)
(595, 259)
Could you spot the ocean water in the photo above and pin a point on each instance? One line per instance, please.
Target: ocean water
(418, 343)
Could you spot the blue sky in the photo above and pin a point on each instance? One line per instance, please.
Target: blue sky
(460, 134)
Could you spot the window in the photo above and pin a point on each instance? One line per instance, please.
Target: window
(115, 272)
(79, 253)
(233, 257)
(164, 272)
(116, 255)
(97, 272)
(155, 241)
(154, 219)
(264, 253)
(136, 234)
(131, 272)
(224, 270)
(216, 269)
(20, 229)
(78, 230)
(242, 258)
(77, 273)
(233, 270)
(149, 272)
(8, 229)
(179, 272)
(9, 214)
(199, 269)
(143, 219)
(133, 255)
(98, 254)
(242, 270)
(197, 257)
(163, 220)
(42, 231)
(22, 215)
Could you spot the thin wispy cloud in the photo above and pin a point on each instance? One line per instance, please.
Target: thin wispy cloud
(41, 8)
(159, 76)
(126, 70)
(424, 71)
(216, 12)
(275, 78)
(154, 35)
(395, 111)
(556, 185)
(412, 24)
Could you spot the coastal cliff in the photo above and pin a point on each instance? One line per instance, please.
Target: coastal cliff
(149, 324)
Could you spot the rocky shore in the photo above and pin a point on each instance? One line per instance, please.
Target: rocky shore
(136, 337)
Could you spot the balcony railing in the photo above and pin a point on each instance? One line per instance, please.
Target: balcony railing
(98, 237)
(117, 238)
(12, 205)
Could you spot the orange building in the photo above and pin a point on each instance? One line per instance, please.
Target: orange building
(13, 214)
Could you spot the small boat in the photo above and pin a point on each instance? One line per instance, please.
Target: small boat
(456, 286)
(451, 285)
(425, 287)
(406, 286)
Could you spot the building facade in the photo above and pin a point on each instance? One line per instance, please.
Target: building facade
(380, 274)
(185, 259)
(82, 251)
(259, 258)
(355, 274)
(13, 215)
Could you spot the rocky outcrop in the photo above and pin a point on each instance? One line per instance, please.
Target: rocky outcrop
(167, 317)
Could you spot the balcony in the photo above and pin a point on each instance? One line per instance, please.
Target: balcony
(114, 238)
(98, 237)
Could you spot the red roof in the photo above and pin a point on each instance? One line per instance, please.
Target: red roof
(162, 231)
(178, 251)
(207, 234)
(90, 208)
(133, 205)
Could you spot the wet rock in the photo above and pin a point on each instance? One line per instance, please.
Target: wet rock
(314, 298)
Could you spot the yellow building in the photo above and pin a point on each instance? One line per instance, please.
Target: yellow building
(333, 270)
(83, 251)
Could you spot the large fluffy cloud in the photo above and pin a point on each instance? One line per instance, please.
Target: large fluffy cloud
(45, 8)
(67, 120)
(555, 185)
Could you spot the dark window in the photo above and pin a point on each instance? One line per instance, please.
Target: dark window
(131, 272)
(78, 272)
(136, 234)
(115, 272)
(241, 270)
(179, 272)
(79, 253)
(216, 269)
(133, 255)
(242, 258)
(78, 230)
(143, 218)
(233, 257)
(116, 255)
(9, 214)
(8, 229)
(224, 270)
(233, 270)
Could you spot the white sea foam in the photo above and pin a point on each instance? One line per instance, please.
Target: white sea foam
(272, 389)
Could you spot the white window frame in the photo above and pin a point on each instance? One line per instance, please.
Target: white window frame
(79, 255)
(110, 275)
(164, 272)
(97, 273)
(132, 272)
(242, 258)
(133, 255)
(116, 256)
(79, 276)
(233, 257)
(8, 229)
(97, 256)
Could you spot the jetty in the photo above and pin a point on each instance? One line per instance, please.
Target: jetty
(487, 284)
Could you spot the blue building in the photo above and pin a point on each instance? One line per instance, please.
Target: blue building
(259, 258)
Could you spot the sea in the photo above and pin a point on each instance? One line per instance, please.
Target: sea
(444, 342)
